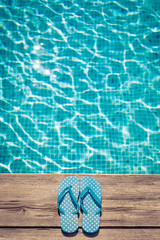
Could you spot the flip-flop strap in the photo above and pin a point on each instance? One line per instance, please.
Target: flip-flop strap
(96, 200)
(61, 198)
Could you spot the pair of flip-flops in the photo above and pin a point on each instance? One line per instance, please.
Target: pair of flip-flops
(90, 193)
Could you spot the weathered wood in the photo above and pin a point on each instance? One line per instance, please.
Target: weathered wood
(56, 234)
(128, 200)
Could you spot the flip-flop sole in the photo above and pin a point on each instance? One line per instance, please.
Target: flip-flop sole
(90, 221)
(69, 221)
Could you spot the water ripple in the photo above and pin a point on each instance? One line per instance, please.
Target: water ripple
(80, 86)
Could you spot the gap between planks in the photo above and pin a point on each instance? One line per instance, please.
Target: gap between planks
(56, 234)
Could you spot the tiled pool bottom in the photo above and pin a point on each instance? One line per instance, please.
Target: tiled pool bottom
(80, 86)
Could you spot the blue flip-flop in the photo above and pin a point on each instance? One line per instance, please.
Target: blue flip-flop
(90, 201)
(68, 194)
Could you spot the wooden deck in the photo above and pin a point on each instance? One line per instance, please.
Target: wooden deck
(130, 207)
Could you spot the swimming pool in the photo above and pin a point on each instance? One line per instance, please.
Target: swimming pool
(80, 86)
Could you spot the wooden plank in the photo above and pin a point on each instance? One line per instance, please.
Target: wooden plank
(104, 234)
(128, 200)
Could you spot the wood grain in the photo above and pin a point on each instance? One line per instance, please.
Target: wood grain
(31, 200)
(56, 234)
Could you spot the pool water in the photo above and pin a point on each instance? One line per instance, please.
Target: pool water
(80, 86)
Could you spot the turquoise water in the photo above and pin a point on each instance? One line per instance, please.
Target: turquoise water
(80, 86)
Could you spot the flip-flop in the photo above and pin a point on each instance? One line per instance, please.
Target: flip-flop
(90, 201)
(68, 194)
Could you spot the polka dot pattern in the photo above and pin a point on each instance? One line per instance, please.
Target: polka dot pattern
(69, 221)
(90, 221)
